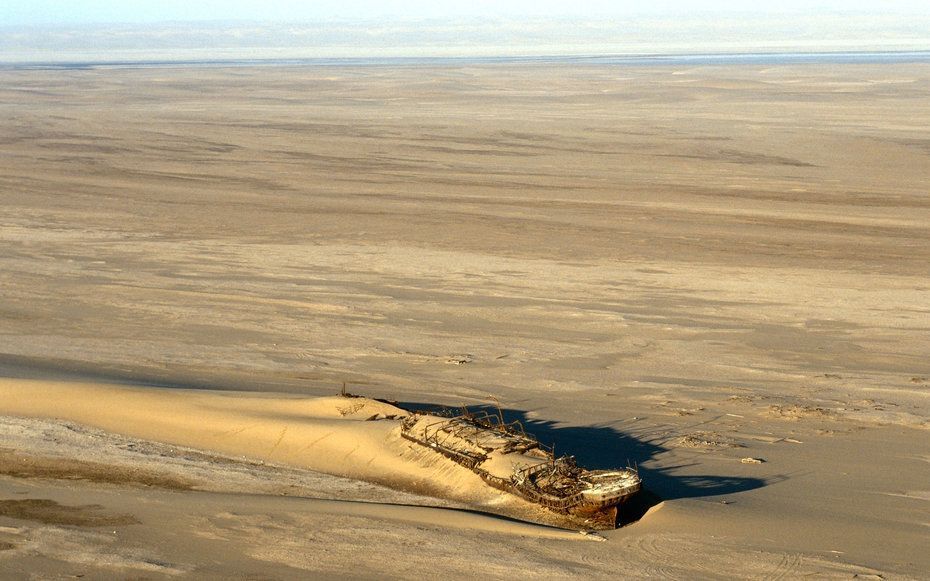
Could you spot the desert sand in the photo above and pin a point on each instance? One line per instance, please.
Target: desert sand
(678, 267)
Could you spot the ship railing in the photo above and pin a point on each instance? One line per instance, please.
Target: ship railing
(471, 427)
(434, 435)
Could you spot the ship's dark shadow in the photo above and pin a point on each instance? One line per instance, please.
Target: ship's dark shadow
(594, 447)
(603, 447)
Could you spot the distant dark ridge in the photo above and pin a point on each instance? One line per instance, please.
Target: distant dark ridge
(772, 58)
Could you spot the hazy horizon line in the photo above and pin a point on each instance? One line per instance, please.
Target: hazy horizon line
(462, 36)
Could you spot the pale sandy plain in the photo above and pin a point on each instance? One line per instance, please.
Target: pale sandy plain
(677, 267)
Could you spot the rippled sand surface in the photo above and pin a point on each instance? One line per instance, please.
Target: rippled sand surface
(678, 267)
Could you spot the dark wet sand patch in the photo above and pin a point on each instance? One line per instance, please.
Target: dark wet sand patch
(18, 465)
(50, 512)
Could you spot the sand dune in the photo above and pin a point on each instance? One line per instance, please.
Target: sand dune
(233, 443)
(330, 435)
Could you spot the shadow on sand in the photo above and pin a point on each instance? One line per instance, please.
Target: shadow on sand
(603, 447)
(594, 447)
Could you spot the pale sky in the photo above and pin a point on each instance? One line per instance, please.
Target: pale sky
(140, 30)
(70, 12)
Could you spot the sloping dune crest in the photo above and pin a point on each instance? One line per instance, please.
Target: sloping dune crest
(335, 435)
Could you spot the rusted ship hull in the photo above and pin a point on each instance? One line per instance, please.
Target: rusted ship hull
(597, 515)
(556, 484)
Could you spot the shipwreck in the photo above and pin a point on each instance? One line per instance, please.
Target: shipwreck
(509, 459)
